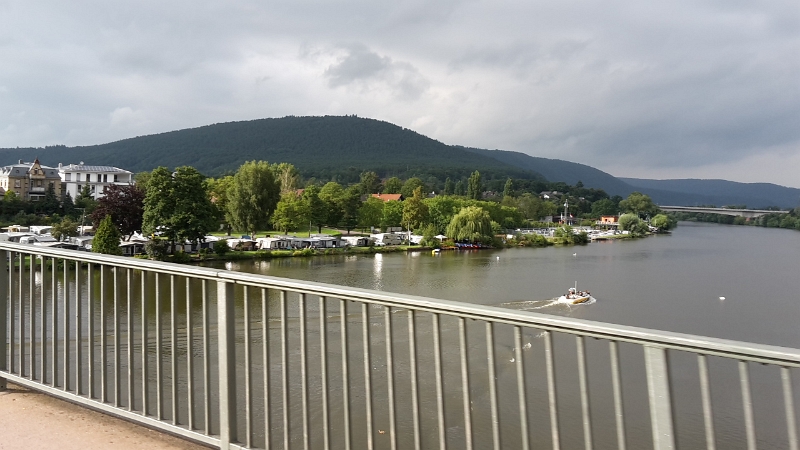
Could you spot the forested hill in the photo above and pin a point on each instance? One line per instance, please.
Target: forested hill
(323, 147)
(559, 170)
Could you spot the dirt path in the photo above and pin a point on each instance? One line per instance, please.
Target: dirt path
(31, 420)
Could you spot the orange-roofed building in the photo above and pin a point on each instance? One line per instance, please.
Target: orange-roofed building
(389, 197)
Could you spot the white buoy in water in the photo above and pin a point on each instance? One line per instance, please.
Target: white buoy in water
(574, 254)
(498, 258)
(722, 298)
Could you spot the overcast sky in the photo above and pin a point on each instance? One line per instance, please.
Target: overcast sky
(670, 89)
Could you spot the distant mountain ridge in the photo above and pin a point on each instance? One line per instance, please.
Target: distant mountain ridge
(343, 146)
(694, 192)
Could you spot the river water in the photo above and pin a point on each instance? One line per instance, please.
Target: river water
(668, 282)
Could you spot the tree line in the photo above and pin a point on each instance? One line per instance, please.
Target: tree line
(184, 205)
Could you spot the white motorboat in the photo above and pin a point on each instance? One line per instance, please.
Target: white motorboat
(574, 296)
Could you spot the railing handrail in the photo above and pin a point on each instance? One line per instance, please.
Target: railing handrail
(783, 356)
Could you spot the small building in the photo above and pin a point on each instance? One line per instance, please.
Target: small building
(41, 229)
(30, 180)
(608, 221)
(75, 176)
(389, 197)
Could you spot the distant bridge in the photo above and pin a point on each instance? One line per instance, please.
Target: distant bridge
(748, 213)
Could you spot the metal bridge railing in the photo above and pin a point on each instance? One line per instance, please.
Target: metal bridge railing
(234, 360)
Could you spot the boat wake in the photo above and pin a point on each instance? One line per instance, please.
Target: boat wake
(533, 305)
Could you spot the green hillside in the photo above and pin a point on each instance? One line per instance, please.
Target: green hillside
(559, 170)
(322, 147)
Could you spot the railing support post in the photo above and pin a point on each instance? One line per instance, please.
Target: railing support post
(4, 296)
(660, 400)
(227, 364)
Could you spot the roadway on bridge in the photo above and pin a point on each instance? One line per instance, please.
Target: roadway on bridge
(31, 420)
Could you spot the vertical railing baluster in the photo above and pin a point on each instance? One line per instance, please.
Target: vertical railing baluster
(117, 374)
(32, 316)
(345, 372)
(103, 343)
(285, 369)
(173, 346)
(747, 405)
(12, 262)
(387, 318)
(492, 385)
(54, 322)
(65, 325)
(78, 358)
(248, 399)
(788, 404)
(437, 360)
(129, 353)
(552, 401)
(90, 324)
(265, 359)
(226, 321)
(189, 357)
(206, 361)
(657, 369)
(159, 338)
(323, 364)
(21, 314)
(145, 380)
(42, 319)
(583, 380)
(367, 372)
(412, 369)
(616, 383)
(522, 396)
(705, 396)
(301, 305)
(5, 297)
(462, 341)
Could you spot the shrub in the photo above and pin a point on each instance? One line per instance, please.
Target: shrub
(221, 247)
(156, 249)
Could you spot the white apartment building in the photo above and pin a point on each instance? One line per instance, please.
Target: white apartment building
(75, 176)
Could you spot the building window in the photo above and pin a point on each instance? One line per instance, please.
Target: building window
(116, 178)
(16, 183)
(39, 183)
(77, 177)
(68, 177)
(105, 178)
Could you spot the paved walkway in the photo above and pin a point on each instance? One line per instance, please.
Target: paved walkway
(30, 420)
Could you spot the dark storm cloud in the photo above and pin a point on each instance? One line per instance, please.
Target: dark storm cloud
(361, 67)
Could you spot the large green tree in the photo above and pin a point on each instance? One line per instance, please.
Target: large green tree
(392, 214)
(393, 186)
(331, 195)
(370, 183)
(291, 213)
(471, 224)
(252, 197)
(370, 213)
(65, 229)
(125, 205)
(350, 203)
(107, 238)
(177, 205)
(317, 211)
(475, 186)
(415, 211)
(639, 204)
(410, 185)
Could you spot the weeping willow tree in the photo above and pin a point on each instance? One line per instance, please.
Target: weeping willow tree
(472, 224)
